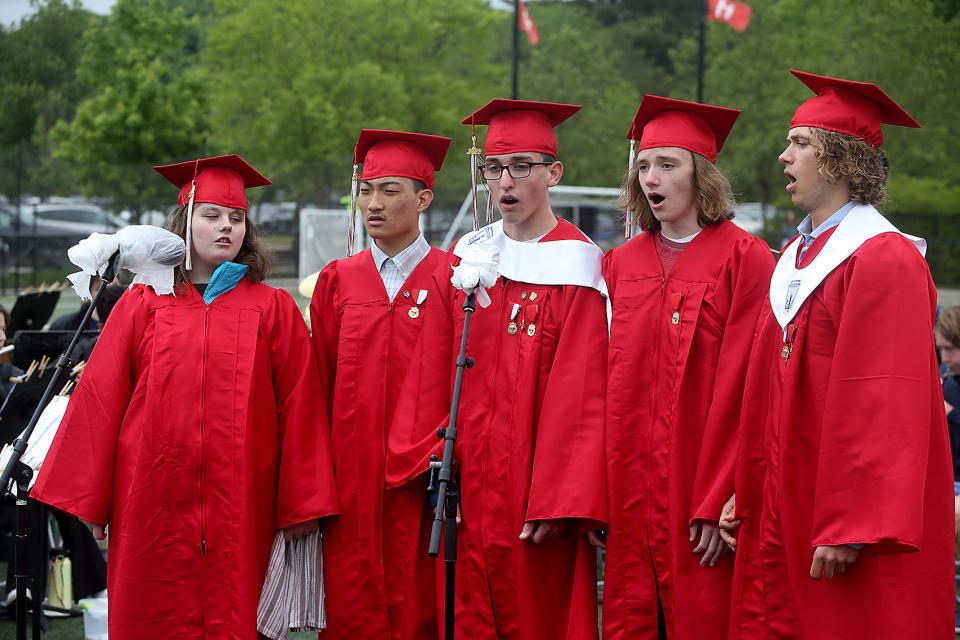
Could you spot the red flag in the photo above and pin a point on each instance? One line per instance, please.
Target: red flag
(736, 14)
(526, 24)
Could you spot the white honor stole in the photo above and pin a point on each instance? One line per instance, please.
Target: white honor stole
(559, 262)
(790, 286)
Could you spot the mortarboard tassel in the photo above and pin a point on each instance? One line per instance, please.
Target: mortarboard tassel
(193, 191)
(352, 223)
(474, 153)
(489, 206)
(627, 223)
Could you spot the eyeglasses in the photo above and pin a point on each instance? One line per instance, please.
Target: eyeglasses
(516, 170)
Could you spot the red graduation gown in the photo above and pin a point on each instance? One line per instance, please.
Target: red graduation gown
(848, 436)
(679, 347)
(195, 433)
(380, 580)
(530, 447)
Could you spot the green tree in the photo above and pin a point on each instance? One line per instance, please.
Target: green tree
(37, 75)
(296, 81)
(147, 103)
(903, 46)
(573, 62)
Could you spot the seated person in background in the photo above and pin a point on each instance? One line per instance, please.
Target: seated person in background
(7, 370)
(947, 336)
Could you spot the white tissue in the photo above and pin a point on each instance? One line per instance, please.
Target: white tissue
(477, 271)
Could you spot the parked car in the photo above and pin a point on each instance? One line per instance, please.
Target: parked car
(57, 220)
(78, 218)
(750, 216)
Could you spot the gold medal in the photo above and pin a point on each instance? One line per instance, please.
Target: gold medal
(675, 318)
(531, 329)
(785, 352)
(512, 328)
(414, 312)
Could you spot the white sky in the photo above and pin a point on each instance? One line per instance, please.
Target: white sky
(12, 11)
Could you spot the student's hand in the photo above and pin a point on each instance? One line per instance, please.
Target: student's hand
(831, 561)
(539, 531)
(300, 530)
(947, 407)
(597, 538)
(710, 545)
(98, 530)
(729, 525)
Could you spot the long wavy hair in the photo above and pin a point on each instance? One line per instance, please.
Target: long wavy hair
(252, 252)
(715, 200)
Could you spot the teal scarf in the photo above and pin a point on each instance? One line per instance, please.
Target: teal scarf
(227, 276)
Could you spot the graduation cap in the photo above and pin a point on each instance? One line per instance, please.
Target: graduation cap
(668, 122)
(384, 152)
(847, 106)
(398, 153)
(518, 126)
(220, 180)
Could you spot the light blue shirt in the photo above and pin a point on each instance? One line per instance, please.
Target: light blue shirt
(809, 234)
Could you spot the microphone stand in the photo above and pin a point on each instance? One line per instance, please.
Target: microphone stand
(448, 490)
(22, 473)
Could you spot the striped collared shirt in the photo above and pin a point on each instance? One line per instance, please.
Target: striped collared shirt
(395, 271)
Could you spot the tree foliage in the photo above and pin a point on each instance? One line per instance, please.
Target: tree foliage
(903, 46)
(296, 81)
(38, 86)
(147, 103)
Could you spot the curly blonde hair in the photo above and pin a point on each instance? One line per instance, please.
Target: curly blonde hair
(840, 156)
(252, 252)
(715, 200)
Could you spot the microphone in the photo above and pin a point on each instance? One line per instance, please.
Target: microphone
(150, 252)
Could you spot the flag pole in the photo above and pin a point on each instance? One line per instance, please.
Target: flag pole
(701, 50)
(515, 93)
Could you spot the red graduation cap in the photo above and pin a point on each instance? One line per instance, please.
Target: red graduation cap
(219, 180)
(848, 106)
(397, 153)
(518, 126)
(696, 127)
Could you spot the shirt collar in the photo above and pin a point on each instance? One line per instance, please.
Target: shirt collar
(407, 260)
(810, 234)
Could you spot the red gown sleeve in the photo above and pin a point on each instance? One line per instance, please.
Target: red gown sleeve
(876, 426)
(77, 474)
(306, 489)
(569, 471)
(424, 401)
(747, 283)
(325, 325)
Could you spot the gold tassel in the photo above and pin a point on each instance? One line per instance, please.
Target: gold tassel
(627, 223)
(188, 265)
(474, 154)
(352, 223)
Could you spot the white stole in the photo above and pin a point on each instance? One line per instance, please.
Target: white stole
(557, 262)
(791, 286)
